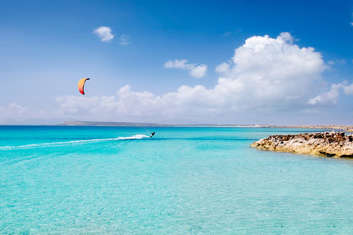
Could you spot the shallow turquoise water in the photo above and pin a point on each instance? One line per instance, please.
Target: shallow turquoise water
(84, 180)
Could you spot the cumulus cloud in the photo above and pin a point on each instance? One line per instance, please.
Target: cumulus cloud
(197, 71)
(265, 75)
(332, 95)
(104, 33)
(348, 90)
(329, 97)
(222, 67)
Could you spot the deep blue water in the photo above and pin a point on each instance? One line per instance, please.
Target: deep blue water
(86, 180)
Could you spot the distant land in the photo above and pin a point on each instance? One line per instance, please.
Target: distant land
(91, 123)
(143, 124)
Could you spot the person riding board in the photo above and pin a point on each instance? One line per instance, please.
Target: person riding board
(152, 134)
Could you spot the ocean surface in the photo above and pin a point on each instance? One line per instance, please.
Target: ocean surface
(115, 180)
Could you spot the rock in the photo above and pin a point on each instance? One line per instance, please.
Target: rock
(327, 144)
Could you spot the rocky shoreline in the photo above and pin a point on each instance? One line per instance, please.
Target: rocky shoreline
(327, 144)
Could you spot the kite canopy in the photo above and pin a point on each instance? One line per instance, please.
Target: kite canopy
(81, 85)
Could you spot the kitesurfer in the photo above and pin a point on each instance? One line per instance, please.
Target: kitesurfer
(152, 134)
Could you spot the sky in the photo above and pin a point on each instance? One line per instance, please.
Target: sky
(220, 62)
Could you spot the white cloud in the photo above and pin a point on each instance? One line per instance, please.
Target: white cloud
(197, 71)
(104, 33)
(222, 67)
(12, 109)
(264, 75)
(177, 64)
(266, 78)
(351, 23)
(13, 112)
(337, 62)
(329, 97)
(348, 90)
(124, 40)
(332, 95)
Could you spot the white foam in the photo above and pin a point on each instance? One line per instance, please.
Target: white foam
(29, 146)
(134, 137)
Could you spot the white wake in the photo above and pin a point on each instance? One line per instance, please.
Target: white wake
(63, 143)
(134, 137)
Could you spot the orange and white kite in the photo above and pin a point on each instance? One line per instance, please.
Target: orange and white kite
(81, 85)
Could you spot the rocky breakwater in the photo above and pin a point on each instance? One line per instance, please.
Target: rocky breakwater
(328, 144)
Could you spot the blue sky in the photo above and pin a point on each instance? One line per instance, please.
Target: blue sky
(47, 46)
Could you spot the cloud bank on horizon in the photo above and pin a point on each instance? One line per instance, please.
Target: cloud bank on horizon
(264, 75)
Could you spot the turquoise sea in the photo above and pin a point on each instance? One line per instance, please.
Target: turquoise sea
(87, 180)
